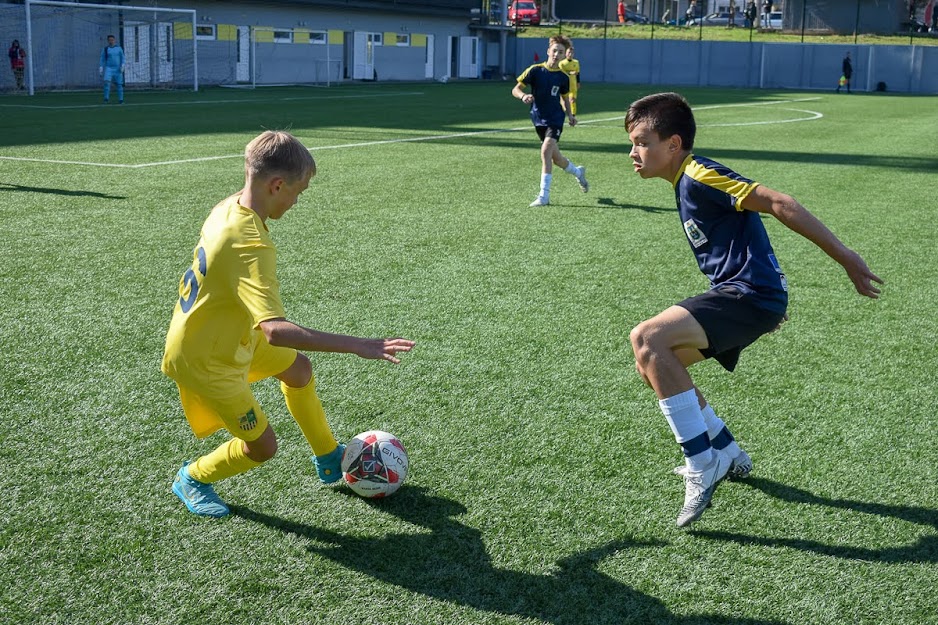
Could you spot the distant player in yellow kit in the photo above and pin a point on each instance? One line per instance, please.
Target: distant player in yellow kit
(571, 67)
(229, 329)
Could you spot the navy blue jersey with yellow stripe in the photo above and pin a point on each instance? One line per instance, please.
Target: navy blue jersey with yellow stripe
(547, 86)
(730, 243)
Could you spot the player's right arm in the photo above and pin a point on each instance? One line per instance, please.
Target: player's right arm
(797, 218)
(283, 333)
(521, 94)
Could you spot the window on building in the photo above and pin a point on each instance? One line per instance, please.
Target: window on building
(403, 40)
(319, 37)
(283, 36)
(205, 32)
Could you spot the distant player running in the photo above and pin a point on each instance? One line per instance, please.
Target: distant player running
(548, 85)
(748, 296)
(229, 330)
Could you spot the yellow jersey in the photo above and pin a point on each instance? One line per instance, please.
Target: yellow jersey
(571, 67)
(229, 290)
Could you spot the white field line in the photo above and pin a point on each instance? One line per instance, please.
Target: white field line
(389, 94)
(811, 116)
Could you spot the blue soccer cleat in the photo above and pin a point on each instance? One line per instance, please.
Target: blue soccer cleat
(199, 497)
(329, 466)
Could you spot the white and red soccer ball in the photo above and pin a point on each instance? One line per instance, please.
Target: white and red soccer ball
(374, 464)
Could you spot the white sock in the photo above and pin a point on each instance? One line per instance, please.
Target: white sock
(545, 185)
(572, 169)
(687, 423)
(715, 430)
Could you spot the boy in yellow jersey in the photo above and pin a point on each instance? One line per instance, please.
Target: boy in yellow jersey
(229, 330)
(571, 67)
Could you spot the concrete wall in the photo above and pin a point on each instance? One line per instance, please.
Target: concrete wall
(907, 69)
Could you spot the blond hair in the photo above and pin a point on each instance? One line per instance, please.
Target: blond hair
(278, 153)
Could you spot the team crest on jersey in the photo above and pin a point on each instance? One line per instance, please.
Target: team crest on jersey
(694, 235)
(248, 421)
(555, 90)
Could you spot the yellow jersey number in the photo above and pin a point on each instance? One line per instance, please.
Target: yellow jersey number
(192, 280)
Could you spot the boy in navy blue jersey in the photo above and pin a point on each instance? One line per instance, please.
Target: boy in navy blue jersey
(748, 296)
(548, 83)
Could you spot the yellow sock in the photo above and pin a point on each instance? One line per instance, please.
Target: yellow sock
(228, 459)
(303, 403)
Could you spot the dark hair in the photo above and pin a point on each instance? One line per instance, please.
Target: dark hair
(16, 42)
(667, 113)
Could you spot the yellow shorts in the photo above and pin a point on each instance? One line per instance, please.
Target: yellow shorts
(238, 412)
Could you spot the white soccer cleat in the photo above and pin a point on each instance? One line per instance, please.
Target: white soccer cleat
(540, 201)
(581, 178)
(700, 486)
(740, 467)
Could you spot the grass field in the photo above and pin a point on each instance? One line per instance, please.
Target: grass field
(540, 488)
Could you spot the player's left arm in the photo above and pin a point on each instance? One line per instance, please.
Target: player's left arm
(568, 107)
(798, 219)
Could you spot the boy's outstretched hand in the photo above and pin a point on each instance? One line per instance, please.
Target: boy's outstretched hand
(861, 276)
(384, 349)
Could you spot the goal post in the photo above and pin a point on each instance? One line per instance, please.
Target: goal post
(65, 40)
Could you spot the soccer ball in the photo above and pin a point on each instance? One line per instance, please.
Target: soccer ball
(374, 464)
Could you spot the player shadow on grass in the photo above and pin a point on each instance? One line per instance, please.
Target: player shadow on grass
(449, 562)
(6, 186)
(925, 550)
(608, 202)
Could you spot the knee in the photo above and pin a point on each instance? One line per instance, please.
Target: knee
(262, 449)
(641, 338)
(300, 372)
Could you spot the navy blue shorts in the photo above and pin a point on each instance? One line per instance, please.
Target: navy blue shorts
(549, 131)
(732, 321)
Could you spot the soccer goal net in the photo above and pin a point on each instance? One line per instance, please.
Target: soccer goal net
(64, 42)
(292, 57)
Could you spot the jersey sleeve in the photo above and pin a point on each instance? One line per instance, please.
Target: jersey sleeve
(524, 77)
(257, 284)
(722, 179)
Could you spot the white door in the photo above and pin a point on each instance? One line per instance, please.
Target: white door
(136, 53)
(428, 72)
(468, 57)
(164, 49)
(363, 56)
(243, 65)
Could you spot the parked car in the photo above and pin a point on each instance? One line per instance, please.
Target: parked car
(524, 12)
(775, 20)
(635, 18)
(723, 19)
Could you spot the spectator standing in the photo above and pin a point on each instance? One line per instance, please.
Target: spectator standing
(845, 74)
(17, 63)
(620, 11)
(691, 13)
(766, 12)
(732, 18)
(751, 13)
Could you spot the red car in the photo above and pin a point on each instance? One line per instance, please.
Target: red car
(524, 12)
